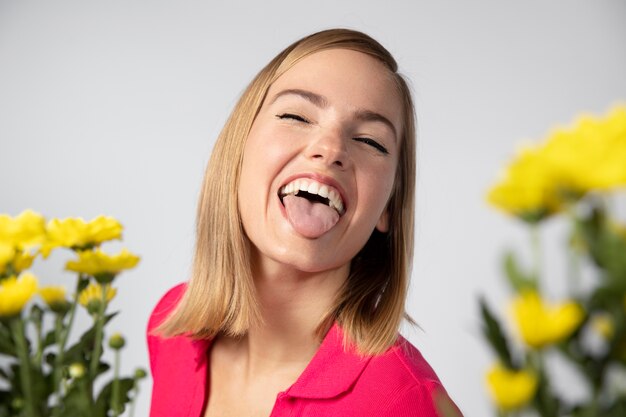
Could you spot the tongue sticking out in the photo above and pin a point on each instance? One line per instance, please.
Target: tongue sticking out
(310, 219)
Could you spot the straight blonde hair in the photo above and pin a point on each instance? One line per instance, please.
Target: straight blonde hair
(221, 296)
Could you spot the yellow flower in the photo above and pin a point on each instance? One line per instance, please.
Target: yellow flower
(98, 263)
(91, 297)
(54, 296)
(541, 324)
(571, 162)
(23, 231)
(7, 252)
(18, 259)
(22, 261)
(591, 154)
(78, 234)
(15, 293)
(525, 189)
(511, 389)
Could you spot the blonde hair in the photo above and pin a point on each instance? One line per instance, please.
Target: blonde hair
(220, 296)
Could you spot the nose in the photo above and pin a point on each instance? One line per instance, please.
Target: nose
(329, 148)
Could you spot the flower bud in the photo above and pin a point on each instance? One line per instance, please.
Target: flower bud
(17, 403)
(140, 373)
(76, 370)
(116, 341)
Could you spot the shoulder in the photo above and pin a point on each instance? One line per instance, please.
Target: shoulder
(165, 306)
(157, 344)
(413, 388)
(177, 363)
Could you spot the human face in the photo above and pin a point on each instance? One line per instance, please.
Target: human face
(334, 119)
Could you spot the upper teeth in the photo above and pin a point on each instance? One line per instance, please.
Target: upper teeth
(314, 187)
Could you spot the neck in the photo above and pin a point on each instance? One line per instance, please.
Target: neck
(292, 304)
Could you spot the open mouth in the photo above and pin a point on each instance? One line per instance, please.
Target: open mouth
(315, 192)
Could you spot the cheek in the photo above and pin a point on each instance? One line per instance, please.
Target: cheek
(266, 152)
(379, 181)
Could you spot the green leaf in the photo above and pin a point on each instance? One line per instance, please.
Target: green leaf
(83, 349)
(77, 401)
(4, 375)
(49, 339)
(103, 403)
(492, 331)
(516, 277)
(7, 347)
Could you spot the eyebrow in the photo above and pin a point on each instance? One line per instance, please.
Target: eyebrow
(322, 102)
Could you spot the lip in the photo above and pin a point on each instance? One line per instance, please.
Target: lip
(323, 179)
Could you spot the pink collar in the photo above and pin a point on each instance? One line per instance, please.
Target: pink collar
(331, 372)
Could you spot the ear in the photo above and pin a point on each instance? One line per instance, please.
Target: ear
(383, 223)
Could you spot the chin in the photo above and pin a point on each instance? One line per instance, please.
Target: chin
(303, 261)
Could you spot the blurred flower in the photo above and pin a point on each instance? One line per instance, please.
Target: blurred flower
(525, 189)
(116, 341)
(603, 325)
(571, 162)
(511, 389)
(91, 297)
(15, 293)
(102, 266)
(541, 324)
(18, 260)
(591, 154)
(24, 231)
(76, 233)
(22, 261)
(7, 252)
(54, 297)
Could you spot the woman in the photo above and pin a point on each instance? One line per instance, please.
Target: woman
(304, 245)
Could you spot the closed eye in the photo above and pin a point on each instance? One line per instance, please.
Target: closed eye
(374, 144)
(292, 117)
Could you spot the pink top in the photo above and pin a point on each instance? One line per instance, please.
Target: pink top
(335, 383)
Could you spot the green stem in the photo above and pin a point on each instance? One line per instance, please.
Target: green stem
(134, 399)
(62, 337)
(115, 396)
(535, 240)
(17, 327)
(39, 354)
(95, 359)
(574, 275)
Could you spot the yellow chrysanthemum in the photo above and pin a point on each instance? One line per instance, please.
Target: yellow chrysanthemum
(54, 297)
(511, 389)
(19, 260)
(7, 252)
(93, 294)
(99, 263)
(78, 233)
(23, 231)
(15, 293)
(541, 324)
(591, 154)
(526, 187)
(22, 261)
(571, 162)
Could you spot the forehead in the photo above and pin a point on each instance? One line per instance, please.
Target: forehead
(348, 79)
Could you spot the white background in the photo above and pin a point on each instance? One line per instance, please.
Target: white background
(112, 107)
